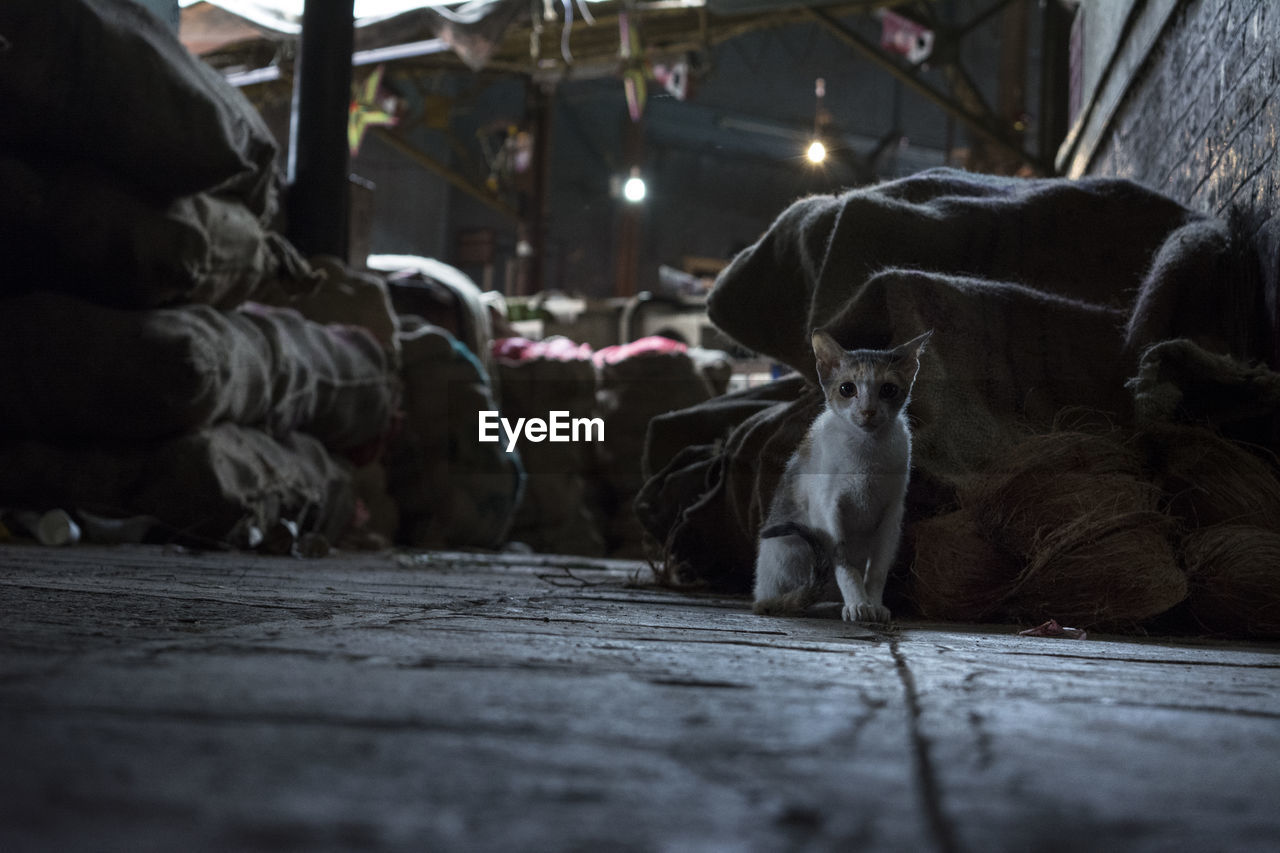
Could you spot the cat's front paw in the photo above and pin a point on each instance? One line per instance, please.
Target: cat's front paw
(872, 613)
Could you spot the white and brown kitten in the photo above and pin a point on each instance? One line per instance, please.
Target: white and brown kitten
(836, 519)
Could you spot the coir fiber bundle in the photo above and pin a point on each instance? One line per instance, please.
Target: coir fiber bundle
(1100, 568)
(1069, 451)
(1234, 575)
(1063, 529)
(1019, 512)
(1094, 569)
(1047, 480)
(957, 574)
(1209, 480)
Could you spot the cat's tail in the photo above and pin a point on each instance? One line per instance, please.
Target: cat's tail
(787, 604)
(798, 599)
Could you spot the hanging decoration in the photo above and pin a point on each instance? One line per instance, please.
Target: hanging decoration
(633, 71)
(674, 77)
(370, 107)
(903, 36)
(508, 153)
(547, 16)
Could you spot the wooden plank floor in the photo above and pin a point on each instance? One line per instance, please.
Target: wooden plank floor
(160, 700)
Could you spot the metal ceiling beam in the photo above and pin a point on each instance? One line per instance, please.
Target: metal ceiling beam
(666, 31)
(976, 118)
(535, 202)
(408, 149)
(982, 17)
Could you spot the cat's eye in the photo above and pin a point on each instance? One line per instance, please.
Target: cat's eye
(888, 391)
(848, 389)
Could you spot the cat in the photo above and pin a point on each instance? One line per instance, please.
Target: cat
(834, 525)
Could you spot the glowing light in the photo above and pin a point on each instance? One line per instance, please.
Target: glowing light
(817, 152)
(634, 189)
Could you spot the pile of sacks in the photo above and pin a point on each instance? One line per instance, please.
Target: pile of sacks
(165, 352)
(221, 424)
(579, 494)
(168, 356)
(1094, 440)
(134, 175)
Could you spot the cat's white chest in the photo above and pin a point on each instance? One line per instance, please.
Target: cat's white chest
(847, 472)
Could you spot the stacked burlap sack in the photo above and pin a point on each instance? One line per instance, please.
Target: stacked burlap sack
(1094, 440)
(436, 484)
(138, 376)
(218, 423)
(579, 494)
(638, 382)
(451, 490)
(134, 174)
(558, 513)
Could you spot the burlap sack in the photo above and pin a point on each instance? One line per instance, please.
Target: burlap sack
(705, 506)
(205, 486)
(76, 370)
(453, 490)
(1027, 285)
(1203, 285)
(1180, 381)
(1003, 358)
(632, 392)
(343, 295)
(78, 229)
(1091, 240)
(105, 81)
(557, 513)
(1042, 296)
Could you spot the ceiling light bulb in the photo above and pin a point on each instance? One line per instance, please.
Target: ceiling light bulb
(634, 190)
(817, 152)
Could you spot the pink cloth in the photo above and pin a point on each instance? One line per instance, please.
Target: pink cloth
(559, 348)
(653, 343)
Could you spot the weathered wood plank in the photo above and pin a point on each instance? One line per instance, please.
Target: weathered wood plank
(158, 700)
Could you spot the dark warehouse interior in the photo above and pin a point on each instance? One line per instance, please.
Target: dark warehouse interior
(639, 425)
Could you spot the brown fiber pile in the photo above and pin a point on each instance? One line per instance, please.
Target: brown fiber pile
(1210, 480)
(1082, 528)
(1234, 574)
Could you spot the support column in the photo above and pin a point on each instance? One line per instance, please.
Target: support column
(531, 232)
(986, 155)
(1055, 60)
(318, 155)
(630, 216)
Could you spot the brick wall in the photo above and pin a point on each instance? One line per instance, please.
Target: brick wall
(1202, 120)
(1201, 123)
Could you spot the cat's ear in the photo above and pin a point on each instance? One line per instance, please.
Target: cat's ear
(913, 348)
(827, 351)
